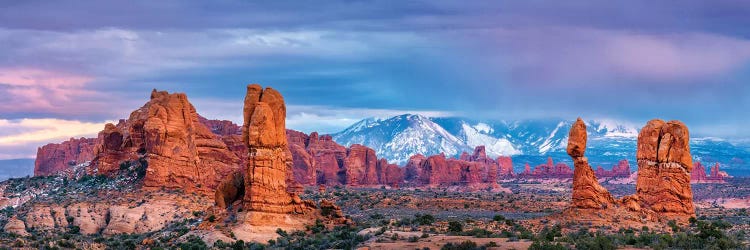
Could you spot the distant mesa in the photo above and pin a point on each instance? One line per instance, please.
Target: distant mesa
(715, 174)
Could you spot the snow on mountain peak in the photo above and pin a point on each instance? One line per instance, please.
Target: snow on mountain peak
(611, 128)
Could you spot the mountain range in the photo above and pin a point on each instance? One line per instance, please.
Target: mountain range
(529, 141)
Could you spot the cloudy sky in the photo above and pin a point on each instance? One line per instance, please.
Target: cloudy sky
(66, 67)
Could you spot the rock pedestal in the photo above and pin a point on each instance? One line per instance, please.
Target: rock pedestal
(587, 192)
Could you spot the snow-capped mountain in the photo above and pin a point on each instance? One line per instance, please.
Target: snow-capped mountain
(528, 141)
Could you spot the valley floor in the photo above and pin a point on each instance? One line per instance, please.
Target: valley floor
(526, 215)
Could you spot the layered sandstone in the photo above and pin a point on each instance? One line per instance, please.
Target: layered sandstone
(16, 226)
(179, 150)
(55, 157)
(587, 192)
(108, 217)
(664, 167)
(264, 134)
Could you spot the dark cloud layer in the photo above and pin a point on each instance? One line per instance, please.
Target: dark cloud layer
(629, 60)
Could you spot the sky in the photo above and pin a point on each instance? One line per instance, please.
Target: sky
(68, 67)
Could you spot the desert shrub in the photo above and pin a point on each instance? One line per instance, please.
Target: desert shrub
(424, 219)
(455, 227)
(193, 243)
(498, 218)
(466, 245)
(546, 245)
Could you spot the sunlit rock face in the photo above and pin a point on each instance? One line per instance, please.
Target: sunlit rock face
(664, 167)
(587, 192)
(264, 134)
(56, 157)
(166, 133)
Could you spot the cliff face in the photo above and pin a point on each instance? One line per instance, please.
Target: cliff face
(55, 157)
(318, 160)
(180, 151)
(475, 170)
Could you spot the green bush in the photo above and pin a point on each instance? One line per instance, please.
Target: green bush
(455, 227)
(466, 245)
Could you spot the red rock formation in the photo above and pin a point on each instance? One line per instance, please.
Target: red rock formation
(505, 166)
(360, 166)
(180, 151)
(587, 192)
(318, 160)
(264, 133)
(526, 170)
(548, 170)
(664, 167)
(329, 159)
(221, 127)
(699, 174)
(55, 157)
(437, 170)
(413, 170)
(620, 170)
(394, 175)
(717, 174)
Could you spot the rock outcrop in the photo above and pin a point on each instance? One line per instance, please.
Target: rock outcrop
(55, 157)
(16, 226)
(179, 150)
(549, 170)
(475, 170)
(587, 192)
(663, 183)
(620, 170)
(318, 160)
(264, 134)
(715, 175)
(664, 167)
(505, 166)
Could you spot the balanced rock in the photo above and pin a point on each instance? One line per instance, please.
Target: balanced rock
(587, 192)
(664, 167)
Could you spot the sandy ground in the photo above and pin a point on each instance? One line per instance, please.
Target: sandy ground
(437, 241)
